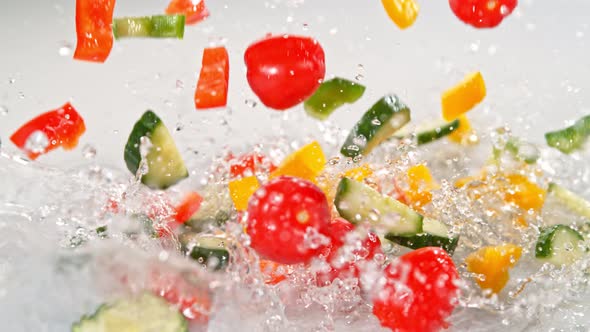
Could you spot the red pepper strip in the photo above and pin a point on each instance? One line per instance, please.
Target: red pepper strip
(61, 127)
(93, 28)
(249, 163)
(189, 206)
(213, 80)
(193, 10)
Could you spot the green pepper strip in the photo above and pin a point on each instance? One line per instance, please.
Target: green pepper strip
(571, 138)
(332, 94)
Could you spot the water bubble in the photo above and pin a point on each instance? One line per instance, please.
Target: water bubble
(37, 142)
(530, 26)
(492, 49)
(251, 103)
(289, 19)
(65, 49)
(305, 26)
(179, 84)
(474, 47)
(334, 31)
(179, 126)
(21, 95)
(359, 77)
(3, 110)
(11, 80)
(88, 151)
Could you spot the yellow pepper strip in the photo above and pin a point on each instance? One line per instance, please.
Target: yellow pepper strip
(463, 97)
(306, 163)
(463, 132)
(359, 173)
(524, 193)
(402, 12)
(492, 264)
(240, 191)
(420, 182)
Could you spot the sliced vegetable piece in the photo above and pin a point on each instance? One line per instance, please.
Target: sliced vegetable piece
(214, 79)
(402, 12)
(215, 209)
(241, 190)
(465, 133)
(144, 313)
(284, 70)
(249, 164)
(524, 193)
(435, 234)
(421, 183)
(331, 95)
(572, 138)
(194, 10)
(306, 163)
(93, 29)
(493, 264)
(521, 150)
(188, 207)
(156, 26)
(380, 122)
(208, 250)
(359, 173)
(559, 245)
(357, 202)
(570, 199)
(463, 97)
(61, 127)
(164, 162)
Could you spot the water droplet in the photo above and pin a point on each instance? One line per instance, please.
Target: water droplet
(474, 47)
(179, 84)
(492, 49)
(168, 103)
(579, 34)
(305, 26)
(251, 103)
(359, 77)
(3, 110)
(289, 19)
(37, 142)
(88, 151)
(11, 80)
(530, 26)
(65, 49)
(21, 95)
(334, 31)
(179, 126)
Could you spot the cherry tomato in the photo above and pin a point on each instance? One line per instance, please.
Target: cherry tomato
(482, 13)
(249, 163)
(420, 291)
(284, 70)
(337, 232)
(280, 214)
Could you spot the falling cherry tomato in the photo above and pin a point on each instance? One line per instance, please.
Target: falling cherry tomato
(286, 220)
(482, 13)
(284, 70)
(337, 232)
(420, 291)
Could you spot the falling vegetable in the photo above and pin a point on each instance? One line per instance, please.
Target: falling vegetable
(93, 29)
(213, 83)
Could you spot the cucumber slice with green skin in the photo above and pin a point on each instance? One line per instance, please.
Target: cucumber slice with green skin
(559, 245)
(570, 200)
(431, 133)
(207, 250)
(571, 138)
(157, 26)
(524, 151)
(357, 202)
(379, 123)
(165, 165)
(332, 94)
(147, 312)
(435, 235)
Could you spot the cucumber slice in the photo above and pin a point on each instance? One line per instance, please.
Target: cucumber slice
(571, 138)
(165, 165)
(427, 134)
(570, 200)
(435, 234)
(332, 94)
(358, 202)
(157, 26)
(215, 209)
(147, 312)
(379, 123)
(208, 250)
(524, 151)
(559, 245)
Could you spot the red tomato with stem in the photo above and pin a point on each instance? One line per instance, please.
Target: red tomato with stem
(420, 291)
(337, 232)
(284, 70)
(286, 220)
(482, 13)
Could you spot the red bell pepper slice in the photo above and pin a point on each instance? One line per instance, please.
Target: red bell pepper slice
(94, 19)
(188, 207)
(193, 10)
(61, 127)
(213, 80)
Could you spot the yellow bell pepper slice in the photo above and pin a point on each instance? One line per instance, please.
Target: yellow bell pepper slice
(463, 133)
(402, 12)
(524, 193)
(421, 183)
(241, 190)
(493, 264)
(463, 97)
(359, 173)
(306, 163)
